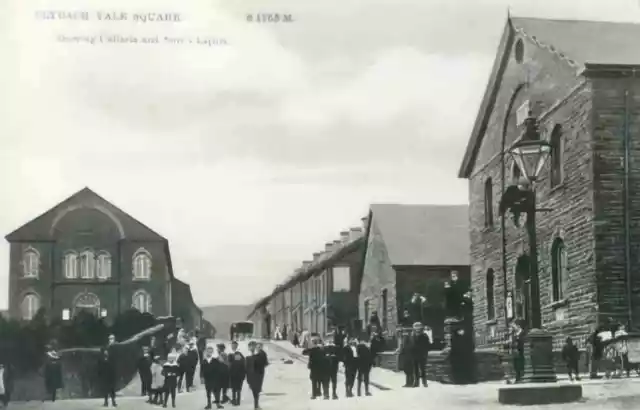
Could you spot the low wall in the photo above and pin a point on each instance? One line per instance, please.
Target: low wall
(79, 369)
(490, 365)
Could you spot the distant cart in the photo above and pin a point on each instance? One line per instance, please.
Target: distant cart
(241, 330)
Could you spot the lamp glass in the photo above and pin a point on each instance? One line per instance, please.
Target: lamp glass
(530, 156)
(66, 314)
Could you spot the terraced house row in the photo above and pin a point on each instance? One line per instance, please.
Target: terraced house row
(398, 250)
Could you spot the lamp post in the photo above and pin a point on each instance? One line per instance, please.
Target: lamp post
(530, 153)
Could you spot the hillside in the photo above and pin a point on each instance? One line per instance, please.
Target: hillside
(222, 316)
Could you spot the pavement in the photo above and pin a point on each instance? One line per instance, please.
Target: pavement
(287, 387)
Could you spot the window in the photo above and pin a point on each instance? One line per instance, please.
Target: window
(385, 309)
(341, 279)
(559, 274)
(70, 265)
(488, 203)
(31, 263)
(491, 305)
(142, 301)
(142, 265)
(87, 302)
(30, 306)
(103, 265)
(557, 156)
(87, 265)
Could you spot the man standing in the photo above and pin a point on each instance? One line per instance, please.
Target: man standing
(318, 368)
(417, 346)
(107, 376)
(517, 349)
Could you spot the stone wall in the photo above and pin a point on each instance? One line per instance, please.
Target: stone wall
(558, 97)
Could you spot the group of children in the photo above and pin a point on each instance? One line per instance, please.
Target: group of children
(324, 362)
(219, 371)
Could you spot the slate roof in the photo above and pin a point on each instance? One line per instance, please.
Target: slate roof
(580, 43)
(424, 235)
(586, 42)
(33, 229)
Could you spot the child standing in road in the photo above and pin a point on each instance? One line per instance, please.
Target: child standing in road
(237, 373)
(157, 382)
(170, 371)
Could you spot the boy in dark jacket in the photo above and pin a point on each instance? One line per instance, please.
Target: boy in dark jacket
(107, 376)
(170, 371)
(364, 362)
(144, 370)
(237, 373)
(208, 367)
(571, 356)
(318, 368)
(333, 354)
(256, 363)
(192, 358)
(350, 359)
(223, 374)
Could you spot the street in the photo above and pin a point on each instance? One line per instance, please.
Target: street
(287, 388)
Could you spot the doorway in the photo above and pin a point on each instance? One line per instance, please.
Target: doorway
(523, 289)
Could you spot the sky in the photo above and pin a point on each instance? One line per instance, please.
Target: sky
(248, 154)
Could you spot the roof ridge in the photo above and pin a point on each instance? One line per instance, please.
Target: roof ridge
(568, 20)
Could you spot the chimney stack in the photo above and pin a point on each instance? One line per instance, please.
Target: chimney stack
(328, 247)
(306, 264)
(316, 256)
(355, 233)
(337, 244)
(344, 236)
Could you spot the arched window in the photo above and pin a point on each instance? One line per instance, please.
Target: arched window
(103, 265)
(141, 265)
(87, 265)
(491, 306)
(87, 302)
(559, 273)
(70, 265)
(488, 203)
(557, 156)
(31, 263)
(30, 306)
(142, 301)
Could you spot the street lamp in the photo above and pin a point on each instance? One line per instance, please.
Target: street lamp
(530, 154)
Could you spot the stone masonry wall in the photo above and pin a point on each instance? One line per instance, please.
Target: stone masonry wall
(557, 96)
(616, 113)
(378, 274)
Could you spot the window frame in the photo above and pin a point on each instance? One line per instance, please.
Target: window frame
(488, 203)
(559, 269)
(347, 270)
(146, 299)
(490, 296)
(144, 271)
(87, 264)
(556, 167)
(66, 265)
(103, 258)
(30, 295)
(30, 257)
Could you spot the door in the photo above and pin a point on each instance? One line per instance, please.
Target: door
(523, 290)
